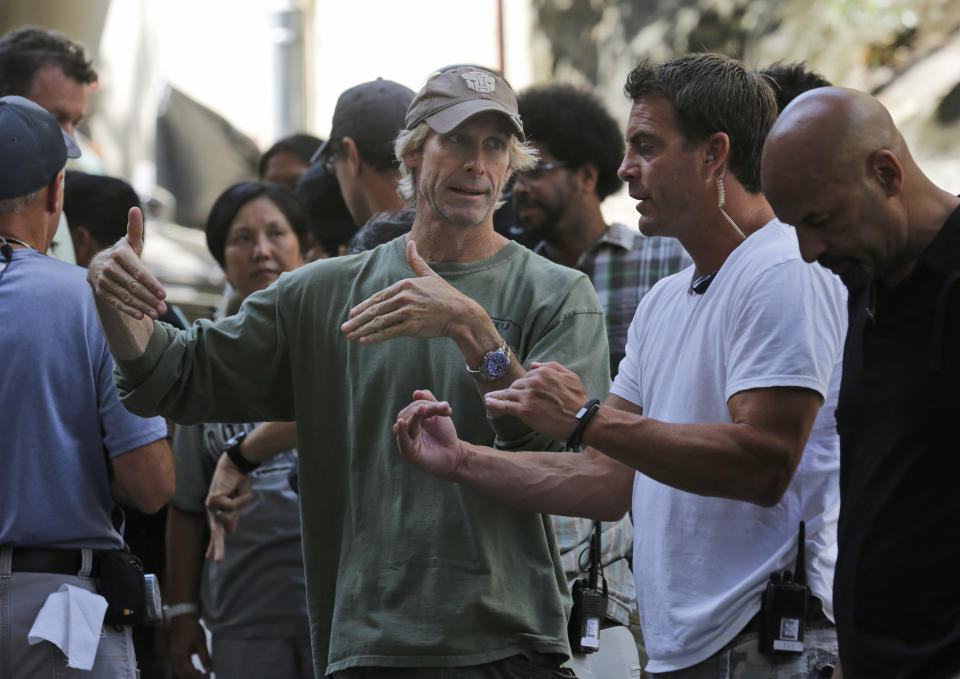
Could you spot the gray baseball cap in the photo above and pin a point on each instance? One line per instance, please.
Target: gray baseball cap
(452, 96)
(33, 148)
(371, 112)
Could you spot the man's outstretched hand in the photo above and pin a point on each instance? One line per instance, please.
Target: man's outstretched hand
(426, 435)
(120, 280)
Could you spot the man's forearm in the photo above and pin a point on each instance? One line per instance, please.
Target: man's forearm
(184, 543)
(127, 336)
(748, 459)
(587, 484)
(269, 439)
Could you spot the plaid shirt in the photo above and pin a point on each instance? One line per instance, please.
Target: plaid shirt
(622, 265)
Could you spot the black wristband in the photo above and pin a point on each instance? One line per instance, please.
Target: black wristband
(584, 415)
(233, 452)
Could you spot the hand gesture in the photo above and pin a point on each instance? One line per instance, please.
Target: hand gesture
(547, 399)
(186, 638)
(229, 495)
(426, 435)
(119, 278)
(425, 306)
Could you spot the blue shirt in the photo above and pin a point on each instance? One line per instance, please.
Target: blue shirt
(62, 419)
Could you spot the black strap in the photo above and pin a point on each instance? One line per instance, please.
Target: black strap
(584, 415)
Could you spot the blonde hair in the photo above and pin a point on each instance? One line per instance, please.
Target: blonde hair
(523, 157)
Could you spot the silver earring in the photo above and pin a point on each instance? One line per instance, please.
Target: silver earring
(721, 193)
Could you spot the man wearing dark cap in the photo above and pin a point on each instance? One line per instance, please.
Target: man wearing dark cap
(407, 576)
(62, 421)
(366, 121)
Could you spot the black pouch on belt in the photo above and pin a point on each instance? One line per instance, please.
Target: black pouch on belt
(120, 581)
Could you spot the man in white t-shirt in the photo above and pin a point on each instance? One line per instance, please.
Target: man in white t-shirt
(719, 424)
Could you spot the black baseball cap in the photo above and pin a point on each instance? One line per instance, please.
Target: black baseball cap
(371, 112)
(33, 148)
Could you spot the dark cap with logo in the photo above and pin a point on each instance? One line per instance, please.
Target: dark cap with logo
(453, 95)
(33, 148)
(371, 112)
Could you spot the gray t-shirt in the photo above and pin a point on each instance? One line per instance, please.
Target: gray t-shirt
(258, 588)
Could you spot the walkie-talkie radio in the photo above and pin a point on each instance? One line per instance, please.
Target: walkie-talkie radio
(589, 603)
(783, 610)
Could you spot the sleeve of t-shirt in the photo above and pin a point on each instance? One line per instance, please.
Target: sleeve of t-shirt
(576, 339)
(237, 369)
(786, 330)
(627, 383)
(122, 430)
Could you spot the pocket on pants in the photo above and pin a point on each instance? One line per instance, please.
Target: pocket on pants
(115, 658)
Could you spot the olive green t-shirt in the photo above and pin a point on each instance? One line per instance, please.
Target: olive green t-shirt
(403, 569)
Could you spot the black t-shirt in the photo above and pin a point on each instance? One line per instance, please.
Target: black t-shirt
(897, 585)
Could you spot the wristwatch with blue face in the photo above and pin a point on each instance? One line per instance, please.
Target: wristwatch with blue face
(494, 364)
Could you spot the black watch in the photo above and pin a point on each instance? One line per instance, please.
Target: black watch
(494, 364)
(232, 449)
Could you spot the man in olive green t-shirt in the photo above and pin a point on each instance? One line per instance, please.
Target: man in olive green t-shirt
(404, 571)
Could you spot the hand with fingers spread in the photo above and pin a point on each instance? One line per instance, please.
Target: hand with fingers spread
(425, 306)
(120, 280)
(229, 495)
(426, 435)
(547, 399)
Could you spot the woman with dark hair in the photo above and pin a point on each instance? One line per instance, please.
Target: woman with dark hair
(253, 600)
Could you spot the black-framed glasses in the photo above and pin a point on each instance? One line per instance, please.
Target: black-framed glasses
(541, 169)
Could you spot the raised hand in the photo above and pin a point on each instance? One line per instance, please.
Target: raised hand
(229, 495)
(120, 280)
(426, 435)
(425, 306)
(547, 399)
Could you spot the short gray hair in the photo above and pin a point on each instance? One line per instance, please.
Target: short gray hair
(523, 157)
(9, 206)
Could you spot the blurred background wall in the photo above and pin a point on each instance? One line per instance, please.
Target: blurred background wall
(192, 90)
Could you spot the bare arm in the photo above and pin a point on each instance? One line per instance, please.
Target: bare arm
(752, 458)
(144, 477)
(127, 295)
(185, 535)
(269, 439)
(587, 484)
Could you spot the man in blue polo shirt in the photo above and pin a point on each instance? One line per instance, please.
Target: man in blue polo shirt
(71, 452)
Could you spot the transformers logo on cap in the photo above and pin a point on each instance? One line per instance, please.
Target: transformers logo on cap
(480, 82)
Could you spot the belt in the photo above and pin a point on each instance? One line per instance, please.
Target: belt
(47, 560)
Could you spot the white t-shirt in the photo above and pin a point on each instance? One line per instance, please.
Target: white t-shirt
(767, 320)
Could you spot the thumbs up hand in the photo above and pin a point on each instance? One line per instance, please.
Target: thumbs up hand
(120, 280)
(423, 306)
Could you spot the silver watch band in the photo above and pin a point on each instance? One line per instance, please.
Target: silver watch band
(171, 612)
(479, 372)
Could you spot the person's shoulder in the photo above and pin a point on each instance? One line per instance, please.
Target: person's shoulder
(538, 267)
